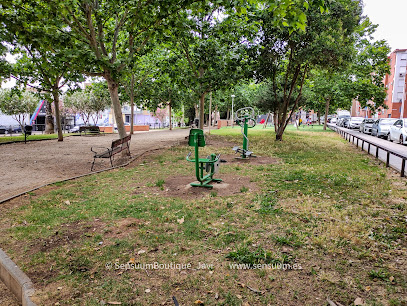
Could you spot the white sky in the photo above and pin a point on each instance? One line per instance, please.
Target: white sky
(390, 15)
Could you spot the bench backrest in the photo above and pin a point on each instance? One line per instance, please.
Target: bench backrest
(93, 128)
(119, 142)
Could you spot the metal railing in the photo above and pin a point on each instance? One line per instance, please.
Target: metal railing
(351, 138)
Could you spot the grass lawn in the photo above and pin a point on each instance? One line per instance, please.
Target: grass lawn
(325, 221)
(31, 137)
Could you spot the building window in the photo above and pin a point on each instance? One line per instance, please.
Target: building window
(127, 119)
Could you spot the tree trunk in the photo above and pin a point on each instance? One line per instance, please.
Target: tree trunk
(118, 115)
(196, 110)
(202, 110)
(210, 113)
(49, 118)
(328, 100)
(55, 94)
(169, 112)
(275, 123)
(132, 104)
(279, 133)
(215, 116)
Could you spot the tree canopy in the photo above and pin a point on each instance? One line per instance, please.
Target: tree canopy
(19, 104)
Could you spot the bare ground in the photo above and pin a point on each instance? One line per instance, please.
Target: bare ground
(27, 166)
(6, 297)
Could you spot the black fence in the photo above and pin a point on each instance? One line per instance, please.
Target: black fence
(370, 145)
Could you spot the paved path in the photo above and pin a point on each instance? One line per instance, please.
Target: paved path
(27, 166)
(395, 162)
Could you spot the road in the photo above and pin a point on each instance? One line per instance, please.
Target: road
(394, 162)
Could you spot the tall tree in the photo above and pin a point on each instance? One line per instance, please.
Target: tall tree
(42, 61)
(88, 103)
(327, 91)
(214, 41)
(136, 75)
(108, 34)
(287, 55)
(18, 104)
(361, 79)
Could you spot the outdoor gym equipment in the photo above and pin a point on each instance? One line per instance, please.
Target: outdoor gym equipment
(246, 118)
(209, 164)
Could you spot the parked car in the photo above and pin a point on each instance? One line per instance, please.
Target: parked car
(3, 129)
(332, 120)
(344, 122)
(366, 126)
(398, 131)
(381, 127)
(75, 129)
(13, 129)
(341, 120)
(354, 122)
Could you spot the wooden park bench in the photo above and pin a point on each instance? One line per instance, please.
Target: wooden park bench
(118, 146)
(89, 130)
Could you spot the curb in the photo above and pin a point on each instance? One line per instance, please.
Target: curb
(16, 280)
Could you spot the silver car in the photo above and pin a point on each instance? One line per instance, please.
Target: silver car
(366, 126)
(381, 127)
(354, 122)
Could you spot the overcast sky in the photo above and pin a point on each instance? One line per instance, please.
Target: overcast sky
(390, 15)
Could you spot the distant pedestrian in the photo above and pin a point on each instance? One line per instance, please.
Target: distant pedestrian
(309, 122)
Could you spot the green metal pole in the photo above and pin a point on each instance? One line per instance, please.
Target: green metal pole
(245, 137)
(196, 157)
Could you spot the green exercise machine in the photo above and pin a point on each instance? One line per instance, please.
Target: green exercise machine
(209, 164)
(245, 118)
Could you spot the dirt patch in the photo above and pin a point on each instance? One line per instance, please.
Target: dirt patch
(6, 297)
(179, 186)
(31, 165)
(258, 160)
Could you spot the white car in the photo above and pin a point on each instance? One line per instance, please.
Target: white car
(398, 131)
(75, 129)
(354, 122)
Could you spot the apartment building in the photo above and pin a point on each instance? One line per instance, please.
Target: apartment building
(395, 84)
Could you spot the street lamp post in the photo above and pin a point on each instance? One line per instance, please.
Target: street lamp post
(233, 98)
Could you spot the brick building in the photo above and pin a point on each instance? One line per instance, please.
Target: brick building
(396, 83)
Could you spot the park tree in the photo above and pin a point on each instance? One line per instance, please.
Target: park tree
(369, 68)
(287, 55)
(108, 35)
(140, 71)
(361, 79)
(165, 93)
(42, 62)
(214, 41)
(47, 73)
(326, 91)
(19, 104)
(88, 103)
(5, 67)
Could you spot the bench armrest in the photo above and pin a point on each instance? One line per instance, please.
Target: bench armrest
(101, 148)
